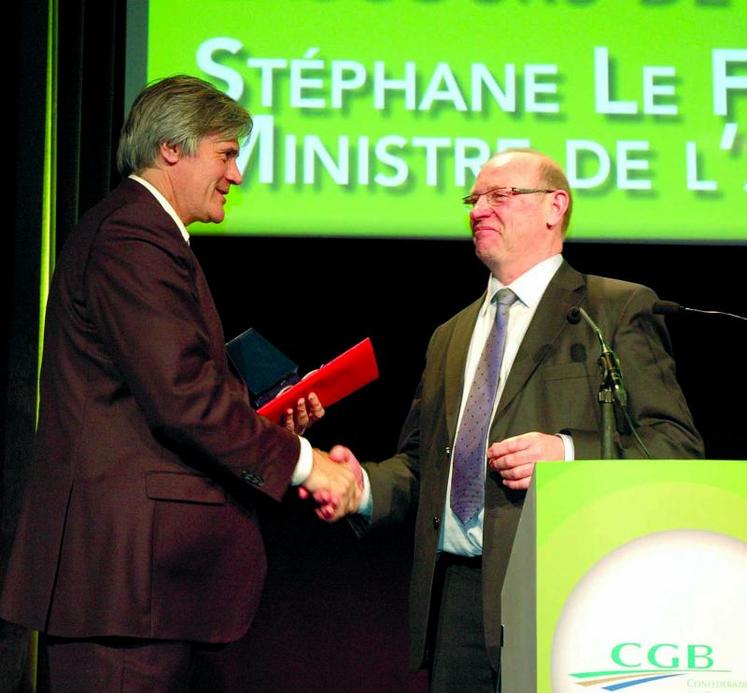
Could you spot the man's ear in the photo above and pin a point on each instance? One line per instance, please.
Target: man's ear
(558, 207)
(171, 153)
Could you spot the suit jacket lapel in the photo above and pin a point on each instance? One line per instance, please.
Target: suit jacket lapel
(456, 359)
(565, 289)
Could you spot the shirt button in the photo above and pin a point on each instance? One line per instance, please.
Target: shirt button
(436, 522)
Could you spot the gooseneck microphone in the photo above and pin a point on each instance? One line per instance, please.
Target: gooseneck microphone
(608, 358)
(612, 388)
(672, 308)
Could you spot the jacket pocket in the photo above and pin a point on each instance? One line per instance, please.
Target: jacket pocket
(563, 371)
(188, 488)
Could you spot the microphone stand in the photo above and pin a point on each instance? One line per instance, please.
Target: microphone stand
(611, 389)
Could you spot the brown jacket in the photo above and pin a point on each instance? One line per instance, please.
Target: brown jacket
(138, 518)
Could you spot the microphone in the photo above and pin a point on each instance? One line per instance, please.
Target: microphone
(573, 315)
(608, 359)
(667, 308)
(672, 308)
(612, 390)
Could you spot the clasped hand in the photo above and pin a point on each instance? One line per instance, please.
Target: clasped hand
(335, 484)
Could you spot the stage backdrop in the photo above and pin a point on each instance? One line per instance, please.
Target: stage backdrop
(372, 117)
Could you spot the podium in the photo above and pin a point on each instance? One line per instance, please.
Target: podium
(628, 575)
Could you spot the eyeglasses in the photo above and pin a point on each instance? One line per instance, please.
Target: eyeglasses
(497, 196)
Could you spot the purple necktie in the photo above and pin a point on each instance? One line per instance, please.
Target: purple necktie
(467, 483)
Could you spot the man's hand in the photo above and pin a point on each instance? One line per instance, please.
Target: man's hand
(514, 458)
(334, 486)
(307, 412)
(343, 455)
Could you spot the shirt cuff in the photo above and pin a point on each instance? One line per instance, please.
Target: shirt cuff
(304, 464)
(366, 505)
(569, 451)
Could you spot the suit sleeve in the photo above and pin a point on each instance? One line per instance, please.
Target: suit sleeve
(395, 482)
(656, 403)
(144, 303)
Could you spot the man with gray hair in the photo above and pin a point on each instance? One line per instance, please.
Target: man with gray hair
(138, 539)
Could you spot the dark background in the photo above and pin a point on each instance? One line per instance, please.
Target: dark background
(334, 611)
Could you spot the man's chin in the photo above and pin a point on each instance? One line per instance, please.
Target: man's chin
(485, 245)
(487, 253)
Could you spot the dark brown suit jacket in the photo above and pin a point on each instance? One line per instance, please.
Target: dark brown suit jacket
(138, 518)
(552, 388)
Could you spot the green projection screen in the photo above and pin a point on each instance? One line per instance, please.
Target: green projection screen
(372, 117)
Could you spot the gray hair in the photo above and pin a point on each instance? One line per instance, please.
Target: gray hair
(178, 111)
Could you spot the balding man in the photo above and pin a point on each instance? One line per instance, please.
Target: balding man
(507, 382)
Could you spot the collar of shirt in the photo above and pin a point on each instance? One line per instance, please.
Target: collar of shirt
(165, 204)
(529, 287)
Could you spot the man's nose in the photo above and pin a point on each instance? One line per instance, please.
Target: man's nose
(481, 209)
(233, 175)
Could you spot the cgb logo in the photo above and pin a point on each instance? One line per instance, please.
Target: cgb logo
(663, 655)
(638, 663)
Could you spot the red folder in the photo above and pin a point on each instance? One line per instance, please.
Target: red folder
(342, 376)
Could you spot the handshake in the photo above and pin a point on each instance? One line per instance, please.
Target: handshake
(335, 484)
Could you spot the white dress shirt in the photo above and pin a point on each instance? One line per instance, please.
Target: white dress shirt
(466, 540)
